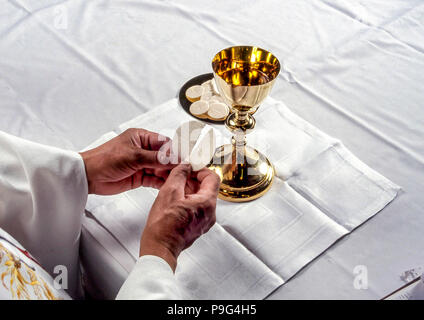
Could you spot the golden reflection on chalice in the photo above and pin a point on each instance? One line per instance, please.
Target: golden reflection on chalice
(244, 76)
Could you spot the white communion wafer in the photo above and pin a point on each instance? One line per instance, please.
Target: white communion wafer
(200, 107)
(185, 138)
(194, 93)
(207, 84)
(194, 142)
(216, 98)
(206, 95)
(218, 110)
(204, 149)
(207, 90)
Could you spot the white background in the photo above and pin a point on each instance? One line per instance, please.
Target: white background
(73, 70)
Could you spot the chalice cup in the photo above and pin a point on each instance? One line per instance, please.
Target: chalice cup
(244, 76)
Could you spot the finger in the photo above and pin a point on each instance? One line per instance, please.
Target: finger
(177, 179)
(192, 186)
(141, 178)
(161, 173)
(149, 159)
(153, 182)
(209, 182)
(149, 171)
(151, 140)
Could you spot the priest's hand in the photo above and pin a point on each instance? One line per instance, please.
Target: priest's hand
(128, 161)
(180, 215)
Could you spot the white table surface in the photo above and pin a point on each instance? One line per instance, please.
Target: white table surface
(73, 70)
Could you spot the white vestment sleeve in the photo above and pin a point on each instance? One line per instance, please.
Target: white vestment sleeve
(43, 192)
(151, 279)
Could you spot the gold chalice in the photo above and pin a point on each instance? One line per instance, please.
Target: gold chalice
(244, 76)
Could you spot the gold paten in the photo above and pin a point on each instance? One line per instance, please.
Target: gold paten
(244, 76)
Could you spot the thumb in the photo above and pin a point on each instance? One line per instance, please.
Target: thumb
(178, 178)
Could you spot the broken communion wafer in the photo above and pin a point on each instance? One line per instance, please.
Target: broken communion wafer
(204, 149)
(194, 93)
(194, 142)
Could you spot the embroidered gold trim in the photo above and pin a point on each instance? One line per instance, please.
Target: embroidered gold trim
(22, 279)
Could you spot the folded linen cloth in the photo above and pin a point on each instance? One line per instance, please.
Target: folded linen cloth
(320, 193)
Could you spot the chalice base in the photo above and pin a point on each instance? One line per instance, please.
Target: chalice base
(246, 174)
